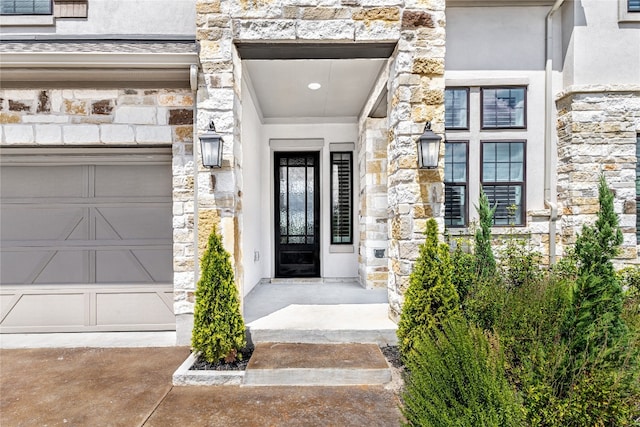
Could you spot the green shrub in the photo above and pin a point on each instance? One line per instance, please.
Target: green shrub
(519, 263)
(595, 321)
(430, 297)
(630, 280)
(218, 327)
(485, 261)
(455, 377)
(464, 268)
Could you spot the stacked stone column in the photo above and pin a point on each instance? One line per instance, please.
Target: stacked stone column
(597, 131)
(416, 84)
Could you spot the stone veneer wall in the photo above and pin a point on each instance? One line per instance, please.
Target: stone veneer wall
(597, 131)
(416, 91)
(117, 117)
(416, 95)
(372, 161)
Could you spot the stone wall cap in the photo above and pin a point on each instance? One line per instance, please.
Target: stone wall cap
(604, 88)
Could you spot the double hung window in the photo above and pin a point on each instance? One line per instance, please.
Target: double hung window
(480, 116)
(503, 180)
(455, 184)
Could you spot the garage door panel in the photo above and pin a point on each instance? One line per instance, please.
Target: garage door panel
(33, 310)
(63, 268)
(86, 239)
(62, 181)
(120, 267)
(27, 267)
(29, 223)
(125, 181)
(126, 309)
(134, 266)
(137, 222)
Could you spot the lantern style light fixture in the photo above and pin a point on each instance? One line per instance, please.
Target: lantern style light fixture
(211, 147)
(428, 148)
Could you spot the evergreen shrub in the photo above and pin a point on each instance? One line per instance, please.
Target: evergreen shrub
(430, 297)
(218, 328)
(456, 378)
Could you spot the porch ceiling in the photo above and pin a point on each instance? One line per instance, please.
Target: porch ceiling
(280, 88)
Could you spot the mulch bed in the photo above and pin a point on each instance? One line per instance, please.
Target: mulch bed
(390, 352)
(238, 365)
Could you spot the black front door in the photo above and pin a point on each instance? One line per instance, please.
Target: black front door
(297, 215)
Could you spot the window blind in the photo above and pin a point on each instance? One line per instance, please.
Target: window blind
(341, 198)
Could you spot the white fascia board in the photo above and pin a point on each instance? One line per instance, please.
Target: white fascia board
(97, 60)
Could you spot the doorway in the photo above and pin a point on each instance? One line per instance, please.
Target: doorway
(297, 214)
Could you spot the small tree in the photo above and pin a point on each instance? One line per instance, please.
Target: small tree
(218, 327)
(431, 296)
(598, 297)
(485, 261)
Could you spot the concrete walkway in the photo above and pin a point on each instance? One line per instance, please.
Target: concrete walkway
(132, 387)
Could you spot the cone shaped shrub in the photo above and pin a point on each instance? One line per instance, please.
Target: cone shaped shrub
(218, 327)
(486, 263)
(597, 297)
(431, 296)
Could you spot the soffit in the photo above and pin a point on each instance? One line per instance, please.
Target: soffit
(280, 88)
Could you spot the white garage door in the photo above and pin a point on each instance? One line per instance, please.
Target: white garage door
(86, 240)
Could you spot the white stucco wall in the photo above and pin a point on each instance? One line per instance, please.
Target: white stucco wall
(123, 17)
(600, 49)
(333, 265)
(253, 209)
(258, 193)
(492, 47)
(495, 38)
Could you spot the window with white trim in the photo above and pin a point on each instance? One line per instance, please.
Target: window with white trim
(456, 108)
(455, 184)
(486, 134)
(26, 7)
(341, 198)
(503, 107)
(633, 6)
(503, 180)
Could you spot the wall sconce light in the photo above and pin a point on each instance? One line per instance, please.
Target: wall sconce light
(211, 147)
(428, 148)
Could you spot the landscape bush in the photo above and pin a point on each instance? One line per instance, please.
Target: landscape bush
(569, 336)
(218, 328)
(457, 379)
(430, 297)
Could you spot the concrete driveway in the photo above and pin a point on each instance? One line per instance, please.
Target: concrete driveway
(132, 387)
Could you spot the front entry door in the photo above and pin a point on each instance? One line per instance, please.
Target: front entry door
(297, 219)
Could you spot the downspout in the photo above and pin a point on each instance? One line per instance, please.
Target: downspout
(549, 193)
(193, 81)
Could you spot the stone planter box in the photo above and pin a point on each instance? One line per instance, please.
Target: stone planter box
(184, 376)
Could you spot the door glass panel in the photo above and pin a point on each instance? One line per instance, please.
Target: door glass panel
(283, 200)
(297, 198)
(310, 196)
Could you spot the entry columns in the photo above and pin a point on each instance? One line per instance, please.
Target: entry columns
(416, 95)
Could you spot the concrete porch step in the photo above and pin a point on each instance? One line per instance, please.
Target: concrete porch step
(303, 364)
(324, 324)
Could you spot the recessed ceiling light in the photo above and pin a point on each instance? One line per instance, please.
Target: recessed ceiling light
(314, 86)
